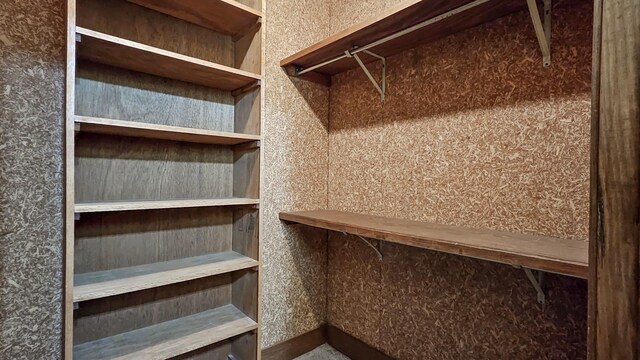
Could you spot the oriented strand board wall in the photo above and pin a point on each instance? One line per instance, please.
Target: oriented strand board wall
(294, 176)
(474, 132)
(32, 50)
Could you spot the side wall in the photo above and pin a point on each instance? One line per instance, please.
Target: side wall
(475, 132)
(294, 176)
(32, 63)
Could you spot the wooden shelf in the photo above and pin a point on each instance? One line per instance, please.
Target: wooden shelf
(160, 204)
(163, 132)
(391, 21)
(224, 16)
(567, 257)
(107, 283)
(170, 338)
(114, 51)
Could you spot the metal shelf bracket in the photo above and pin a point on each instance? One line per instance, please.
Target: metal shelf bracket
(538, 284)
(382, 87)
(375, 248)
(543, 31)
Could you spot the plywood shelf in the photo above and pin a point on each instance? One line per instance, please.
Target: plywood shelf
(110, 50)
(107, 283)
(163, 132)
(160, 204)
(395, 19)
(224, 16)
(170, 338)
(567, 257)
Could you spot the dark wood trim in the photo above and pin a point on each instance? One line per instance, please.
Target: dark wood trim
(352, 347)
(292, 348)
(614, 286)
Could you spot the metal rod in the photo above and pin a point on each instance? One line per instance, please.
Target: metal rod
(540, 30)
(399, 34)
(366, 71)
(368, 243)
(537, 284)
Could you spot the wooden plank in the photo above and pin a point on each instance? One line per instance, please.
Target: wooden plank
(352, 347)
(160, 204)
(114, 51)
(224, 16)
(391, 21)
(568, 257)
(614, 291)
(164, 132)
(170, 338)
(297, 346)
(124, 280)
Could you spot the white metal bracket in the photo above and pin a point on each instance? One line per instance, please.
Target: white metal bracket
(543, 31)
(375, 248)
(382, 87)
(538, 284)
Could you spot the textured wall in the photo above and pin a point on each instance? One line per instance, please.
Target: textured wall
(32, 67)
(294, 176)
(474, 132)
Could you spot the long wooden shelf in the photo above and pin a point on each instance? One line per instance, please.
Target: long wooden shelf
(391, 21)
(163, 132)
(109, 206)
(170, 338)
(107, 283)
(567, 257)
(114, 51)
(224, 16)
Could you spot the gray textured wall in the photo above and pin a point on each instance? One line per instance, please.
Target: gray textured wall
(32, 46)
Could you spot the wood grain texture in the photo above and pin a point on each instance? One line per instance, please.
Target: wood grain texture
(225, 16)
(393, 20)
(532, 251)
(615, 232)
(163, 132)
(106, 283)
(160, 204)
(119, 52)
(171, 338)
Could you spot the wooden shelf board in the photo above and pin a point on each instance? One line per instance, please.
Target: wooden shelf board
(114, 51)
(109, 206)
(170, 338)
(567, 257)
(224, 16)
(163, 132)
(107, 283)
(391, 21)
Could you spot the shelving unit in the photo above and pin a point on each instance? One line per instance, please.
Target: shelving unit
(163, 179)
(404, 26)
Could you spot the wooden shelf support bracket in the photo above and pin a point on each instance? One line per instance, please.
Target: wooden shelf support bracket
(543, 30)
(538, 284)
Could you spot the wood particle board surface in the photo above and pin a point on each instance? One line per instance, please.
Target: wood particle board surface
(32, 80)
(474, 132)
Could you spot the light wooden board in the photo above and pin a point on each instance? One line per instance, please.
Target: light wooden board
(614, 287)
(225, 16)
(164, 132)
(568, 257)
(171, 338)
(393, 20)
(160, 204)
(119, 281)
(119, 52)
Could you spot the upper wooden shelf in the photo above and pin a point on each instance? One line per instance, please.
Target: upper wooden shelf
(392, 21)
(109, 206)
(567, 257)
(163, 132)
(126, 54)
(224, 16)
(171, 338)
(107, 283)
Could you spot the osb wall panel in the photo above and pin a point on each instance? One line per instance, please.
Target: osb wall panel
(32, 67)
(294, 176)
(475, 132)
